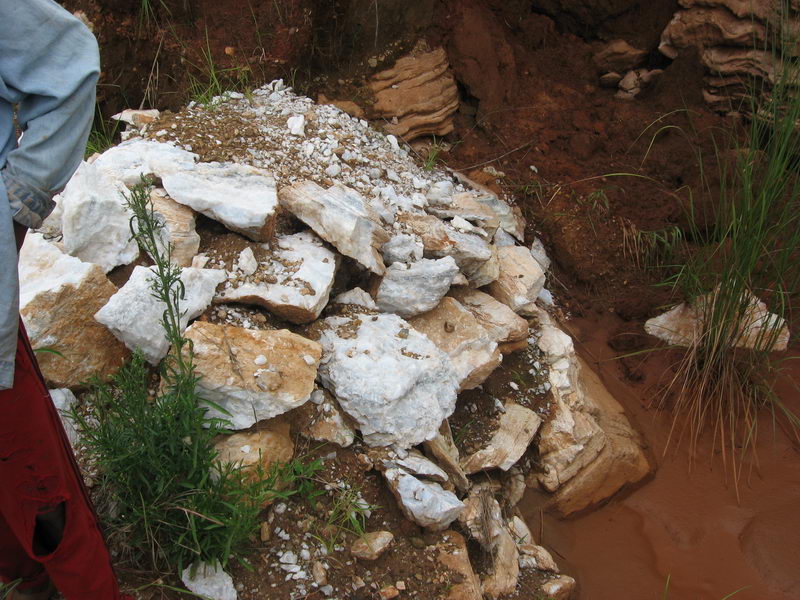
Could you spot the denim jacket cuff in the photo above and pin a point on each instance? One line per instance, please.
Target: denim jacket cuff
(29, 205)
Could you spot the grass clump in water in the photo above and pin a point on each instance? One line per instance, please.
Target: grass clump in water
(750, 249)
(165, 497)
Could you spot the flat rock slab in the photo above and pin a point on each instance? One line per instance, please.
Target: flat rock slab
(95, 222)
(452, 553)
(340, 216)
(240, 197)
(370, 546)
(466, 206)
(426, 503)
(457, 332)
(395, 383)
(517, 427)
(59, 295)
(129, 161)
(252, 374)
(294, 282)
(133, 314)
(409, 290)
(520, 281)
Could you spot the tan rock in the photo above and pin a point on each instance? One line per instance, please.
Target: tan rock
(503, 577)
(347, 106)
(503, 324)
(418, 95)
(444, 451)
(270, 443)
(179, 227)
(621, 462)
(252, 374)
(457, 332)
(59, 295)
(744, 9)
(371, 545)
(559, 588)
(618, 55)
(520, 281)
(452, 553)
(323, 420)
(341, 216)
(742, 62)
(517, 427)
(389, 592)
(703, 28)
(466, 206)
(532, 556)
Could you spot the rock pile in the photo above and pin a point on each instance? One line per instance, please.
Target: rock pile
(309, 204)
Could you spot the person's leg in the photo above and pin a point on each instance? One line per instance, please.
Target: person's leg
(42, 497)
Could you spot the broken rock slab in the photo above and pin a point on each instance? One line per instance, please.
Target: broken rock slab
(129, 161)
(701, 28)
(466, 206)
(322, 420)
(252, 374)
(443, 449)
(340, 216)
(456, 331)
(179, 231)
(409, 290)
(59, 295)
(559, 588)
(517, 427)
(683, 325)
(426, 503)
(417, 96)
(95, 222)
(270, 443)
(520, 281)
(417, 465)
(395, 382)
(294, 283)
(618, 55)
(133, 314)
(209, 581)
(241, 197)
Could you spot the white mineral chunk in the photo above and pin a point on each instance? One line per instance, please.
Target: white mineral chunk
(95, 221)
(356, 297)
(416, 288)
(240, 197)
(63, 400)
(297, 125)
(425, 503)
(129, 161)
(247, 261)
(133, 314)
(402, 248)
(395, 383)
(210, 581)
(294, 284)
(520, 281)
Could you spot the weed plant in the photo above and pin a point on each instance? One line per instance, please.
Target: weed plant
(751, 246)
(102, 135)
(166, 497)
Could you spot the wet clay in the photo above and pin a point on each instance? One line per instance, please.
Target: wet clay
(685, 525)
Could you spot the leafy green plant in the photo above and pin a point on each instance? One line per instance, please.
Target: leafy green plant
(348, 513)
(300, 478)
(165, 496)
(432, 159)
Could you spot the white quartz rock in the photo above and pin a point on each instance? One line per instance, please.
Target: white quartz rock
(395, 383)
(95, 221)
(210, 581)
(133, 314)
(402, 248)
(63, 400)
(501, 323)
(240, 197)
(409, 290)
(509, 220)
(297, 125)
(341, 216)
(425, 503)
(129, 161)
(517, 427)
(294, 284)
(356, 297)
(520, 281)
(416, 464)
(247, 262)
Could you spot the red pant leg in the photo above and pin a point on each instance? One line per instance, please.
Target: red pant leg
(38, 472)
(15, 563)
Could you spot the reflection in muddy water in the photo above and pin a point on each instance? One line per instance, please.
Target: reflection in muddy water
(683, 524)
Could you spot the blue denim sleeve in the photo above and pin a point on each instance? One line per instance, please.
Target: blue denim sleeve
(49, 66)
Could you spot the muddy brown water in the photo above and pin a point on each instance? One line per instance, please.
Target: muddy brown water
(683, 524)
